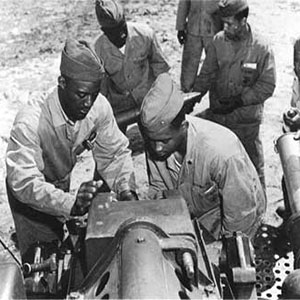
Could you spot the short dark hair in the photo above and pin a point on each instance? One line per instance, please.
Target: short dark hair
(180, 117)
(242, 14)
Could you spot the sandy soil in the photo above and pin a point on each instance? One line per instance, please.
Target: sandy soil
(32, 37)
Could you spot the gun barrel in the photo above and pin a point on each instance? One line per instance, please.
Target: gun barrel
(289, 151)
(127, 117)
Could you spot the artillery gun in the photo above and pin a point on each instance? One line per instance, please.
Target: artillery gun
(134, 250)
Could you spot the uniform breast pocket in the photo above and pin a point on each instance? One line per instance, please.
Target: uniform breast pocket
(249, 74)
(140, 60)
(205, 198)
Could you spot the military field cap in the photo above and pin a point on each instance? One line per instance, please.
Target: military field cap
(230, 8)
(160, 105)
(80, 62)
(109, 13)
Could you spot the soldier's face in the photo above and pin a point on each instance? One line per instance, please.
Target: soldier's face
(77, 97)
(233, 28)
(164, 143)
(117, 35)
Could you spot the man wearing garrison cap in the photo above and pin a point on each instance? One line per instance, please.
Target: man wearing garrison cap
(206, 162)
(131, 54)
(46, 139)
(239, 73)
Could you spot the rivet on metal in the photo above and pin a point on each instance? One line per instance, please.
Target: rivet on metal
(140, 240)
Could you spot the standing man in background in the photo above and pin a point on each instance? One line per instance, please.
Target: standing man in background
(196, 24)
(131, 54)
(239, 73)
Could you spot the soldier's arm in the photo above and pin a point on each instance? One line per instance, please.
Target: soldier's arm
(24, 163)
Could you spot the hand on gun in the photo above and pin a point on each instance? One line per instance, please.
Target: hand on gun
(128, 195)
(86, 193)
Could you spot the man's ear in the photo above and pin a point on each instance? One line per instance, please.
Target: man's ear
(62, 82)
(184, 125)
(244, 21)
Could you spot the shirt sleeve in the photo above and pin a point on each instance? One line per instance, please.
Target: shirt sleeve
(265, 83)
(158, 62)
(182, 13)
(244, 202)
(24, 163)
(111, 153)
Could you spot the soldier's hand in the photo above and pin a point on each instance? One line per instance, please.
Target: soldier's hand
(128, 196)
(181, 36)
(292, 118)
(86, 193)
(228, 104)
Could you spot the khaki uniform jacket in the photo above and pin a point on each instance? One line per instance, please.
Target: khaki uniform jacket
(248, 71)
(198, 17)
(133, 72)
(42, 152)
(217, 179)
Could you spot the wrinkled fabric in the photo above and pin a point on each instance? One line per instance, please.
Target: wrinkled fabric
(217, 180)
(224, 74)
(191, 57)
(42, 151)
(161, 105)
(248, 71)
(250, 137)
(201, 21)
(80, 62)
(199, 18)
(131, 74)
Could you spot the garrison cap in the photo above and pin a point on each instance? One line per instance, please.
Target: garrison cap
(109, 13)
(80, 62)
(230, 8)
(161, 105)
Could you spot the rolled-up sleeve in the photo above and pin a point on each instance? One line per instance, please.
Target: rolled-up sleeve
(111, 153)
(24, 163)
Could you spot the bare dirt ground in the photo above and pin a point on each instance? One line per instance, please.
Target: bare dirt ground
(33, 34)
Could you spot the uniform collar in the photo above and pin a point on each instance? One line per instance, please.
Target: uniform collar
(58, 115)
